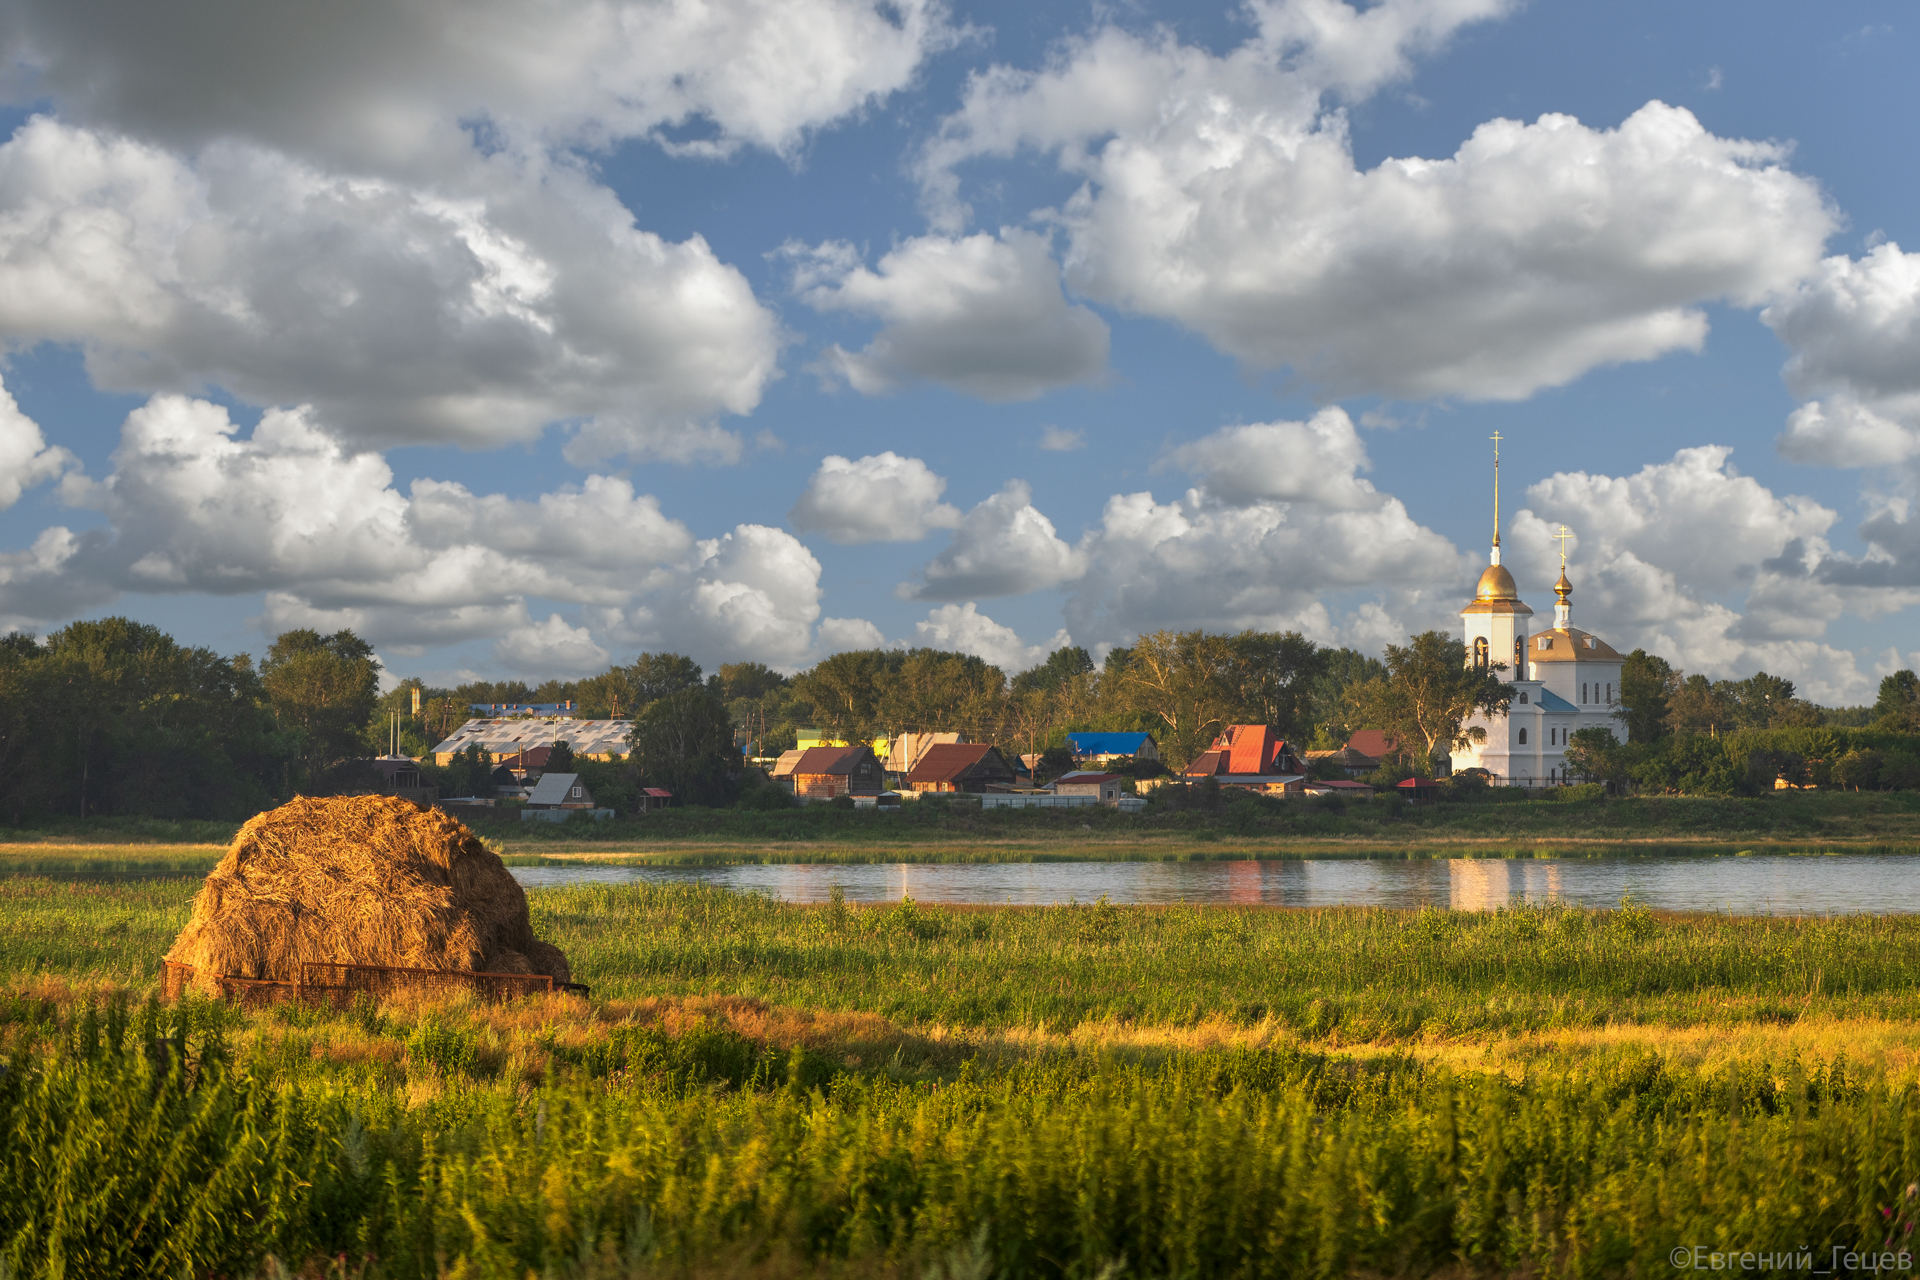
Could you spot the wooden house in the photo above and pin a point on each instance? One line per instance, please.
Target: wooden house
(972, 767)
(826, 773)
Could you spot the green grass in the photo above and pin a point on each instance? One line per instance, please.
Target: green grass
(765, 1089)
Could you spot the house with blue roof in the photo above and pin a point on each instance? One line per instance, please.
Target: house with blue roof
(1108, 746)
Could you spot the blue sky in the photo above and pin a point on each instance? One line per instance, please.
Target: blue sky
(521, 346)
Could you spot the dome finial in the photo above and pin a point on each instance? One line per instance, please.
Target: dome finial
(1563, 589)
(1496, 438)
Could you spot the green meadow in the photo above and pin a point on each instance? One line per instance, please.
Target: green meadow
(760, 1089)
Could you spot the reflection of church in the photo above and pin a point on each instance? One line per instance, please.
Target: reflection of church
(1564, 679)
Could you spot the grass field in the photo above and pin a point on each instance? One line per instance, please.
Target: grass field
(763, 1089)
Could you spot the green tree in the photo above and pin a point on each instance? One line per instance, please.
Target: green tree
(1182, 682)
(683, 742)
(560, 757)
(1700, 706)
(1647, 683)
(1898, 707)
(1274, 675)
(1061, 667)
(323, 690)
(1430, 693)
(1597, 756)
(1329, 708)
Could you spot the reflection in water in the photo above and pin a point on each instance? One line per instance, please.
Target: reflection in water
(1775, 885)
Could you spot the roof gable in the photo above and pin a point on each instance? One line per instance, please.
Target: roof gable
(1551, 701)
(833, 760)
(952, 761)
(556, 788)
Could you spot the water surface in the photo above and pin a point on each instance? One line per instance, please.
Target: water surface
(1758, 885)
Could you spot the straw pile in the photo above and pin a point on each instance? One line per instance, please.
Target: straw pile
(360, 880)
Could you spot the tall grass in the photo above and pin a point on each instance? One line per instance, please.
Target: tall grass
(121, 1160)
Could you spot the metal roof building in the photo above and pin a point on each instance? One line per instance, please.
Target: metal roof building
(595, 739)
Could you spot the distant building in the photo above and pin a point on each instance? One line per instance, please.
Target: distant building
(826, 773)
(1105, 787)
(973, 767)
(1253, 756)
(1349, 759)
(1109, 746)
(560, 791)
(400, 776)
(905, 751)
(506, 736)
(1374, 744)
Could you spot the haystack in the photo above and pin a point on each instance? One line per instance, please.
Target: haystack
(368, 880)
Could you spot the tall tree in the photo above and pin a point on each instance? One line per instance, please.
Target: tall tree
(844, 692)
(1698, 705)
(1647, 685)
(1898, 707)
(1430, 693)
(1273, 676)
(1184, 683)
(1330, 709)
(683, 742)
(323, 690)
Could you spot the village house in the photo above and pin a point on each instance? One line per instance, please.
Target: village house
(827, 773)
(1253, 756)
(1104, 787)
(971, 767)
(558, 796)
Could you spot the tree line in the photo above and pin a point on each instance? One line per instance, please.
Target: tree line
(115, 717)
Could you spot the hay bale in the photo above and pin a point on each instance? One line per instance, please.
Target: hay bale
(360, 880)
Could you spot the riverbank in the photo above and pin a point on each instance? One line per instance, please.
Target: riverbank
(1809, 822)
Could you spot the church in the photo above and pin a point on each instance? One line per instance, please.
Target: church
(1564, 679)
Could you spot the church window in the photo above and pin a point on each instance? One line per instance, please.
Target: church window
(1546, 642)
(1523, 737)
(1583, 693)
(1480, 651)
(1609, 693)
(1523, 698)
(1519, 653)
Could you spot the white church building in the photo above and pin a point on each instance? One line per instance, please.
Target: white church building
(1564, 680)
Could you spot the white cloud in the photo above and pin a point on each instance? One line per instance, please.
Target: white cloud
(25, 457)
(1854, 329)
(979, 314)
(1283, 462)
(1278, 524)
(838, 635)
(964, 629)
(402, 315)
(882, 497)
(551, 647)
(192, 506)
(389, 86)
(1056, 439)
(1693, 561)
(1003, 547)
(1221, 193)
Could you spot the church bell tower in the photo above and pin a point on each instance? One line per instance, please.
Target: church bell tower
(1496, 618)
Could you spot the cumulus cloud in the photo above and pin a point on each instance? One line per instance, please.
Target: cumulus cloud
(1278, 523)
(964, 629)
(402, 316)
(1056, 439)
(1283, 462)
(980, 314)
(1692, 560)
(386, 86)
(882, 497)
(551, 646)
(193, 505)
(1220, 192)
(1854, 329)
(1003, 547)
(25, 457)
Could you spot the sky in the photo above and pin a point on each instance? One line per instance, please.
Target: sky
(521, 338)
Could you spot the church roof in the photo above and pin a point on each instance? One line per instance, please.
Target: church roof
(1496, 593)
(1551, 701)
(1570, 644)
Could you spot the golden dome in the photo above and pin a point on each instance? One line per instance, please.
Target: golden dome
(1562, 588)
(1496, 584)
